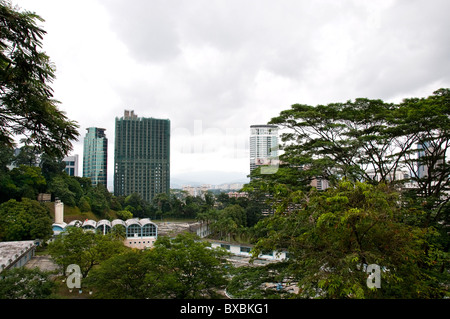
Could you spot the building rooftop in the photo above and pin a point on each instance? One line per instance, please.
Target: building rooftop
(10, 251)
(264, 126)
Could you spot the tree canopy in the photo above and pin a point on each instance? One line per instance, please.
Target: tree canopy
(181, 268)
(84, 248)
(25, 220)
(387, 203)
(27, 107)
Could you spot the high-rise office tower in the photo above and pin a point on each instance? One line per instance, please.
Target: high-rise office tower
(263, 145)
(141, 156)
(95, 156)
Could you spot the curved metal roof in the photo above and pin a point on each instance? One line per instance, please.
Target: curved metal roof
(90, 222)
(132, 221)
(75, 222)
(62, 225)
(104, 222)
(118, 222)
(146, 221)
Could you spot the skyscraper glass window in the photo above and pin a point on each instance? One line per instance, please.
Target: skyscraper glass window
(141, 156)
(95, 156)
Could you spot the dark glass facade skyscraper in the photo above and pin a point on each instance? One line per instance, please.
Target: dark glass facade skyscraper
(95, 156)
(141, 156)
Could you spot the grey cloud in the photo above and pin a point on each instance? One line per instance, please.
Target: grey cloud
(374, 51)
(147, 27)
(408, 51)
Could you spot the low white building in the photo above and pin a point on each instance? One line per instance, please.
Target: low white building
(245, 250)
(15, 254)
(140, 233)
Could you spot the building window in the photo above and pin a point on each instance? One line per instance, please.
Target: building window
(134, 230)
(149, 230)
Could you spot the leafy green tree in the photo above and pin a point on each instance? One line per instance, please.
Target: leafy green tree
(6, 157)
(28, 109)
(253, 213)
(120, 277)
(25, 220)
(124, 214)
(84, 205)
(23, 283)
(182, 268)
(226, 223)
(163, 203)
(99, 199)
(7, 187)
(84, 248)
(137, 205)
(404, 145)
(237, 213)
(60, 189)
(427, 122)
(85, 183)
(115, 204)
(28, 180)
(27, 156)
(332, 236)
(51, 166)
(176, 206)
(191, 270)
(353, 138)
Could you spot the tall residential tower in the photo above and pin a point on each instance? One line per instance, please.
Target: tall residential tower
(141, 156)
(263, 145)
(95, 156)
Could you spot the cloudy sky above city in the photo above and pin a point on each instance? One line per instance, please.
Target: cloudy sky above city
(216, 67)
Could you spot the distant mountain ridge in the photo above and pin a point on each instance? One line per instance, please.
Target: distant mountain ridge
(207, 177)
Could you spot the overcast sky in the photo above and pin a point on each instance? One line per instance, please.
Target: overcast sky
(216, 67)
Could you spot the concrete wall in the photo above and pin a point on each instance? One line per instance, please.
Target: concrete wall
(140, 242)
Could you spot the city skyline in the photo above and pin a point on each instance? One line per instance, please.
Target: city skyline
(215, 68)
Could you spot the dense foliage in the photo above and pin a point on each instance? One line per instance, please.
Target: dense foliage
(27, 107)
(387, 203)
(23, 283)
(25, 220)
(84, 248)
(181, 268)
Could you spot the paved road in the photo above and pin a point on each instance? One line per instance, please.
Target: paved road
(44, 263)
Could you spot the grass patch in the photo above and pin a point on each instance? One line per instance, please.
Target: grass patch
(74, 213)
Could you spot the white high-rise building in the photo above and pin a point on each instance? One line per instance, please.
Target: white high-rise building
(263, 145)
(71, 165)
